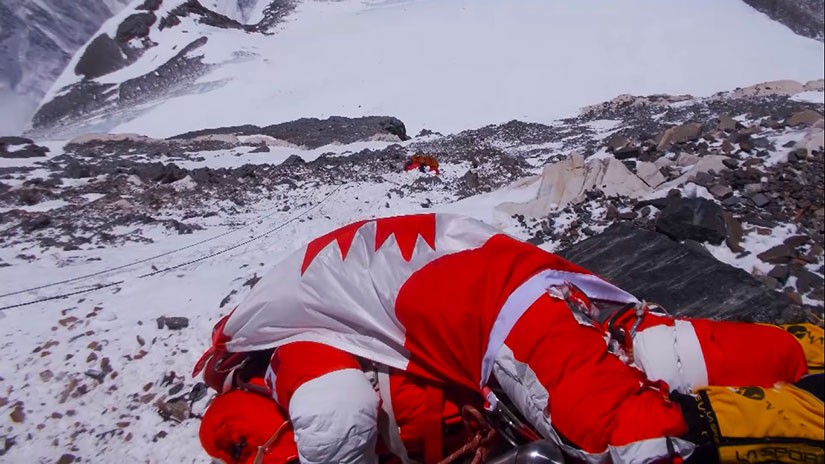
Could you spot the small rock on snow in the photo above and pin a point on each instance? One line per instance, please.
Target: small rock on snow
(780, 254)
(176, 323)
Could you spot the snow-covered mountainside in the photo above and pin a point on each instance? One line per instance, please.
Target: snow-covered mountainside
(191, 144)
(119, 252)
(37, 40)
(169, 66)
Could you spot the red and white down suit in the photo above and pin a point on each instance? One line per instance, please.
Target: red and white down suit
(453, 301)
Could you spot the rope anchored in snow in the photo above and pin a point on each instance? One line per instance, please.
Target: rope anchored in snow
(166, 269)
(146, 260)
(63, 295)
(245, 242)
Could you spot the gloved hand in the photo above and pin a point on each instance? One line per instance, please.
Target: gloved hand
(755, 425)
(237, 423)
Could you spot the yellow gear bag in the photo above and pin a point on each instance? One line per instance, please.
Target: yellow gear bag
(756, 425)
(812, 339)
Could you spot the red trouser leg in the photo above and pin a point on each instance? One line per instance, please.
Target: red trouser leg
(593, 398)
(737, 353)
(695, 353)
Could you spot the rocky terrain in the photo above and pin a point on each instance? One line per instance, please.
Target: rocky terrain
(805, 17)
(708, 206)
(756, 172)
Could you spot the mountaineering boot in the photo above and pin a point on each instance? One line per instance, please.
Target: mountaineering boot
(782, 424)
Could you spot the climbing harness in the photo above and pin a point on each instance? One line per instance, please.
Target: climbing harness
(481, 434)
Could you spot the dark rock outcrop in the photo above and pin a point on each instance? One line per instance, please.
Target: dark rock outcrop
(687, 283)
(85, 97)
(88, 98)
(179, 71)
(293, 159)
(314, 133)
(14, 140)
(204, 16)
(102, 56)
(804, 17)
(27, 151)
(135, 26)
(149, 5)
(696, 219)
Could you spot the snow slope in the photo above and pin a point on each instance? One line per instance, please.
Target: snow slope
(125, 323)
(72, 402)
(452, 64)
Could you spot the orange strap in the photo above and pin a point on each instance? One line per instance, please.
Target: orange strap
(433, 438)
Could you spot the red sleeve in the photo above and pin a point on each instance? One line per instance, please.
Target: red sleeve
(297, 363)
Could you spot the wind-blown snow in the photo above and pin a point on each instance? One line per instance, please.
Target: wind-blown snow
(452, 64)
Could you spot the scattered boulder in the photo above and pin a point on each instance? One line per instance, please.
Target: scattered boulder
(720, 191)
(760, 199)
(77, 170)
(780, 272)
(627, 152)
(262, 148)
(67, 459)
(252, 281)
(685, 282)
(696, 219)
(796, 241)
(36, 223)
(727, 123)
(470, 181)
(686, 159)
(173, 323)
(18, 415)
(680, 134)
(730, 163)
(733, 239)
(159, 172)
(805, 279)
(650, 174)
(177, 411)
(293, 160)
(617, 142)
(427, 132)
(804, 117)
(767, 89)
(780, 254)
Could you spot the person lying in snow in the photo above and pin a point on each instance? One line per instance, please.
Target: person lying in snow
(370, 336)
